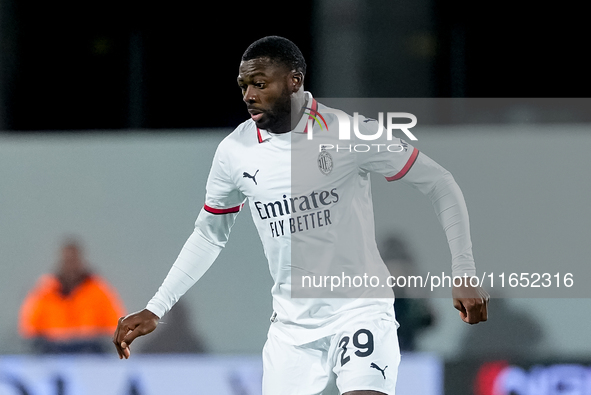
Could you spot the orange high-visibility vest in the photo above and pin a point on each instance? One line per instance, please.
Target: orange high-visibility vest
(90, 310)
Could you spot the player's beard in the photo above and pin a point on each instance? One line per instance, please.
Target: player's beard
(278, 118)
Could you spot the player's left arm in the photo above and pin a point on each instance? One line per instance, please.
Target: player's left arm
(447, 199)
(402, 161)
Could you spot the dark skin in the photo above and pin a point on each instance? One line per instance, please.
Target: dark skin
(275, 98)
(272, 92)
(471, 302)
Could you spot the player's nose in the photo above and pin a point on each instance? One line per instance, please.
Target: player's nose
(249, 95)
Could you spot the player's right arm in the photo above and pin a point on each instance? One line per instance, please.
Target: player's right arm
(222, 203)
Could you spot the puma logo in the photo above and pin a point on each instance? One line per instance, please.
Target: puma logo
(246, 175)
(373, 365)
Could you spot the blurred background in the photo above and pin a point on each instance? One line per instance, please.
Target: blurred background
(110, 113)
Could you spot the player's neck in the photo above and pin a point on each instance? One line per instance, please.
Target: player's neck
(298, 103)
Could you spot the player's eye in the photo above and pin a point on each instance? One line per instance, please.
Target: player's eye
(260, 85)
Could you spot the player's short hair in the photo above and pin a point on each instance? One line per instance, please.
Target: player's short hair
(277, 49)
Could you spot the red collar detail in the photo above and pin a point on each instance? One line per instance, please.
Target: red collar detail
(259, 136)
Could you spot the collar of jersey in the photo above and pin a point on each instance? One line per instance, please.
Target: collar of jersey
(301, 127)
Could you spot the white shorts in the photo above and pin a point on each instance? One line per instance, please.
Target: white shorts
(363, 355)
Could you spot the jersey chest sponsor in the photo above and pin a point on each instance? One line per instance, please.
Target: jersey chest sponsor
(286, 200)
(292, 205)
(297, 214)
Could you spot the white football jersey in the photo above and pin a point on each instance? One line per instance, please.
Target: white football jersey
(310, 198)
(313, 211)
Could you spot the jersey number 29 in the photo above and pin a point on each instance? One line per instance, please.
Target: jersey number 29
(364, 349)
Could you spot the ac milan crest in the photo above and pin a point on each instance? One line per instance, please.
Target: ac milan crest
(324, 161)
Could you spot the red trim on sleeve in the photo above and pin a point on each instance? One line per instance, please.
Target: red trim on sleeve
(222, 210)
(406, 168)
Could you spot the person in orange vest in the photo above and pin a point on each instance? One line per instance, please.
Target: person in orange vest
(71, 311)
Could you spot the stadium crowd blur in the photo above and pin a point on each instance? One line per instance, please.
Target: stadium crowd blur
(73, 310)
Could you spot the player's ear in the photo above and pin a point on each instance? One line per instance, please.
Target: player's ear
(296, 80)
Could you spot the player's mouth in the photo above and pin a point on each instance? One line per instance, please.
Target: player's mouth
(255, 114)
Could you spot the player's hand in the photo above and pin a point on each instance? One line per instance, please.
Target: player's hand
(130, 327)
(472, 303)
